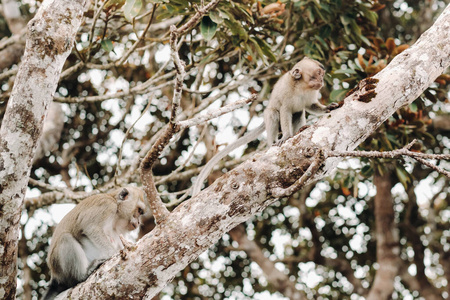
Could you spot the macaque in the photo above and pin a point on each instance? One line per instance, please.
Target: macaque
(90, 234)
(294, 93)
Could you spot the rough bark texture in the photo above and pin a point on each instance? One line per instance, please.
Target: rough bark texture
(198, 223)
(387, 236)
(50, 39)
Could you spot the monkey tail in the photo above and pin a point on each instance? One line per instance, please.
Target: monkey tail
(53, 290)
(247, 138)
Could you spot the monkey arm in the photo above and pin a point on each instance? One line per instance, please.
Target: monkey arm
(247, 138)
(319, 109)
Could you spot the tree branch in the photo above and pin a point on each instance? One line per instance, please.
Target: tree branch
(420, 157)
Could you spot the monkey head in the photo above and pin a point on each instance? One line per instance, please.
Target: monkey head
(130, 208)
(311, 71)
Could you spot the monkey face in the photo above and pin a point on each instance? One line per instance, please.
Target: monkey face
(315, 79)
(310, 72)
(135, 221)
(131, 207)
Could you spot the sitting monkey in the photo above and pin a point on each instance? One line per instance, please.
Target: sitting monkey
(90, 234)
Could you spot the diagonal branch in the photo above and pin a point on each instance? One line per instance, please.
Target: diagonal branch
(159, 210)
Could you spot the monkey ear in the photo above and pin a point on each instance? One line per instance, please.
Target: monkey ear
(296, 73)
(123, 194)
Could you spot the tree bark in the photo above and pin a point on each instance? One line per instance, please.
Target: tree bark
(387, 236)
(197, 224)
(50, 40)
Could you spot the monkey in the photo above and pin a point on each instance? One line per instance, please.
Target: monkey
(294, 93)
(90, 234)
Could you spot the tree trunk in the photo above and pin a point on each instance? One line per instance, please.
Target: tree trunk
(387, 236)
(197, 224)
(50, 39)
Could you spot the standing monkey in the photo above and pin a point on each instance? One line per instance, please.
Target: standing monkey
(90, 234)
(294, 93)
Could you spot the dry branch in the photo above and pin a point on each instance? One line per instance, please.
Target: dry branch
(420, 157)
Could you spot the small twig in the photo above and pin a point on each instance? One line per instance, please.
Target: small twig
(94, 21)
(420, 157)
(172, 175)
(159, 210)
(175, 202)
(116, 173)
(9, 73)
(196, 17)
(432, 166)
(216, 113)
(141, 38)
(313, 167)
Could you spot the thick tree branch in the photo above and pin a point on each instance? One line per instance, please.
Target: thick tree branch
(197, 224)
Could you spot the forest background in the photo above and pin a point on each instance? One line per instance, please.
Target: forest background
(374, 228)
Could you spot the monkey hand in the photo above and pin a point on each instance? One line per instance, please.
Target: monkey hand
(126, 244)
(332, 106)
(94, 266)
(281, 141)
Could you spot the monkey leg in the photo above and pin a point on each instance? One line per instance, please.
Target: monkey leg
(272, 123)
(70, 264)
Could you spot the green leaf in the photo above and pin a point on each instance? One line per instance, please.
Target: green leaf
(364, 39)
(346, 71)
(113, 4)
(266, 49)
(348, 181)
(403, 176)
(337, 95)
(258, 49)
(325, 31)
(345, 20)
(310, 14)
(216, 17)
(322, 41)
(107, 45)
(367, 171)
(246, 14)
(208, 28)
(131, 9)
(239, 33)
